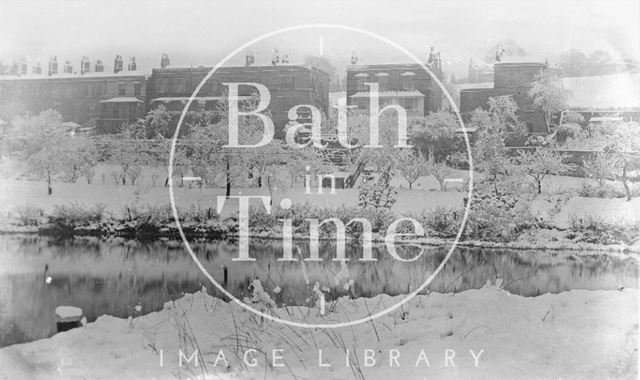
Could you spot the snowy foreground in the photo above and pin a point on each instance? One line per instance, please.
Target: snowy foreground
(572, 335)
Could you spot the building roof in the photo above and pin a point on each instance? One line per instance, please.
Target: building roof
(385, 66)
(473, 86)
(617, 91)
(390, 94)
(122, 99)
(89, 75)
(227, 69)
(185, 99)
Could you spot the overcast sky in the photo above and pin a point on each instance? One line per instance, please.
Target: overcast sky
(201, 32)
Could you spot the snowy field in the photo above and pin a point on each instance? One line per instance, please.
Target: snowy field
(479, 334)
(425, 194)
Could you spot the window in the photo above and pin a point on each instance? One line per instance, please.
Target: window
(216, 88)
(361, 84)
(92, 111)
(162, 85)
(411, 104)
(287, 83)
(179, 85)
(99, 90)
(122, 89)
(383, 83)
(407, 84)
(85, 90)
(136, 89)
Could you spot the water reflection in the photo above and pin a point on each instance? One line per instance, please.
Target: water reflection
(113, 276)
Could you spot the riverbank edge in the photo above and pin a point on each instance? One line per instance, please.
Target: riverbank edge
(206, 232)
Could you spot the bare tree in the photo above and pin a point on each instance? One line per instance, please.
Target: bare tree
(601, 167)
(542, 162)
(411, 166)
(439, 170)
(548, 95)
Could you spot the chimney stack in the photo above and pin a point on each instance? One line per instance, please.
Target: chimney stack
(68, 69)
(132, 64)
(99, 66)
(118, 64)
(354, 58)
(432, 56)
(499, 53)
(275, 57)
(85, 65)
(53, 65)
(23, 66)
(164, 61)
(249, 59)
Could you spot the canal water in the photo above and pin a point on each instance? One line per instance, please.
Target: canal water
(127, 278)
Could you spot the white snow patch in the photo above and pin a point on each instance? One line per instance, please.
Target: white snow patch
(571, 335)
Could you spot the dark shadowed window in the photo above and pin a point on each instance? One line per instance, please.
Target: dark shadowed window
(287, 83)
(407, 84)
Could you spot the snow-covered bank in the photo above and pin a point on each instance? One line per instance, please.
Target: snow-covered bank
(577, 334)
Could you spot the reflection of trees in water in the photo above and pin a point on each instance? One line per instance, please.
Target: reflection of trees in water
(30, 306)
(112, 276)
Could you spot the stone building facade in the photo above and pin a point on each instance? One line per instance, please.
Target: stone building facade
(107, 100)
(408, 85)
(510, 79)
(104, 99)
(289, 85)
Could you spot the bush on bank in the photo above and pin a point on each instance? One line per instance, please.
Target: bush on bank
(501, 218)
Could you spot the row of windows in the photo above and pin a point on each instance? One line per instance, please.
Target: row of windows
(179, 85)
(278, 103)
(383, 84)
(409, 104)
(66, 91)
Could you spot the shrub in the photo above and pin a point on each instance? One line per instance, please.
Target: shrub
(28, 215)
(260, 220)
(75, 215)
(565, 131)
(538, 141)
(498, 217)
(442, 220)
(573, 117)
(378, 194)
(380, 218)
(150, 214)
(596, 230)
(592, 190)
